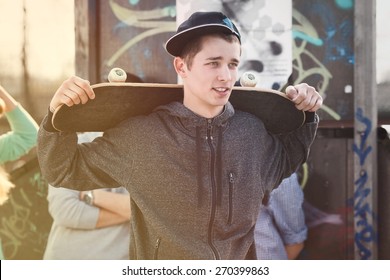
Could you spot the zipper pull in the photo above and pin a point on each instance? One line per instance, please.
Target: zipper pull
(231, 177)
(209, 124)
(209, 127)
(157, 243)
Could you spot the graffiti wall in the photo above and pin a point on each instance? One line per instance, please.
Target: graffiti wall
(131, 36)
(323, 53)
(323, 56)
(365, 217)
(25, 222)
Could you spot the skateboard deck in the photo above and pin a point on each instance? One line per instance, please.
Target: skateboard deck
(114, 102)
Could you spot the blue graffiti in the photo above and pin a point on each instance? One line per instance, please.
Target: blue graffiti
(362, 209)
(344, 4)
(305, 37)
(336, 34)
(133, 2)
(360, 151)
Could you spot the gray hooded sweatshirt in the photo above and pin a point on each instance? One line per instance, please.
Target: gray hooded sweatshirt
(196, 184)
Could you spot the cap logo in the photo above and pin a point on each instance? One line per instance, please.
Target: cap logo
(228, 23)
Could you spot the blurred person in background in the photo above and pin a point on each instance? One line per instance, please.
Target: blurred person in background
(23, 135)
(280, 229)
(15, 143)
(88, 225)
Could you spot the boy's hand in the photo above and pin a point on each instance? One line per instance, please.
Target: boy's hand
(72, 91)
(305, 97)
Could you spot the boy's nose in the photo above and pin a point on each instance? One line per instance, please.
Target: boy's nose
(224, 74)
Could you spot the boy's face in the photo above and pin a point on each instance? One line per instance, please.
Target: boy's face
(209, 81)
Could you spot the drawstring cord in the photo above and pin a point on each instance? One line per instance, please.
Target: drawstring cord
(199, 164)
(219, 167)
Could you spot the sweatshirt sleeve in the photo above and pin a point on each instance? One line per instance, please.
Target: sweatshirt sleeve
(67, 210)
(21, 138)
(293, 152)
(64, 163)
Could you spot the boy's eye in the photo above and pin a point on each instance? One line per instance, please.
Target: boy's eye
(233, 65)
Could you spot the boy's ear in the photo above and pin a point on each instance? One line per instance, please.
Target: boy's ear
(180, 67)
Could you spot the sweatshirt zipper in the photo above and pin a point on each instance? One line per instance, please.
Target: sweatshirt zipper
(156, 247)
(213, 191)
(231, 187)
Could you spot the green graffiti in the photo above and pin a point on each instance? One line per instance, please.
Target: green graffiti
(142, 19)
(17, 227)
(41, 185)
(300, 53)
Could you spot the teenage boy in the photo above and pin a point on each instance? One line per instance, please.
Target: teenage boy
(195, 170)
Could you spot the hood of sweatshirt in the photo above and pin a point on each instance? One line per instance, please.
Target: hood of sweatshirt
(191, 120)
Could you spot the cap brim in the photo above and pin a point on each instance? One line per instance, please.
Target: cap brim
(176, 43)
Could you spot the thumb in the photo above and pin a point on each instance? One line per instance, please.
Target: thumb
(291, 92)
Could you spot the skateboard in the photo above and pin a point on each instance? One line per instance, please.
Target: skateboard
(114, 102)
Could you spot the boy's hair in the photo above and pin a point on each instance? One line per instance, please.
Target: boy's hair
(195, 46)
(5, 185)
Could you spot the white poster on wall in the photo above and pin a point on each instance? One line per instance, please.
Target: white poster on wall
(265, 27)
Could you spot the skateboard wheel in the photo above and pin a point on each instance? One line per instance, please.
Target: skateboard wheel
(117, 75)
(248, 79)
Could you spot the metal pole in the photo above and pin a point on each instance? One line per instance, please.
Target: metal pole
(365, 129)
(87, 45)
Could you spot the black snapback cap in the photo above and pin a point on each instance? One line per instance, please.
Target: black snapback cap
(200, 23)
